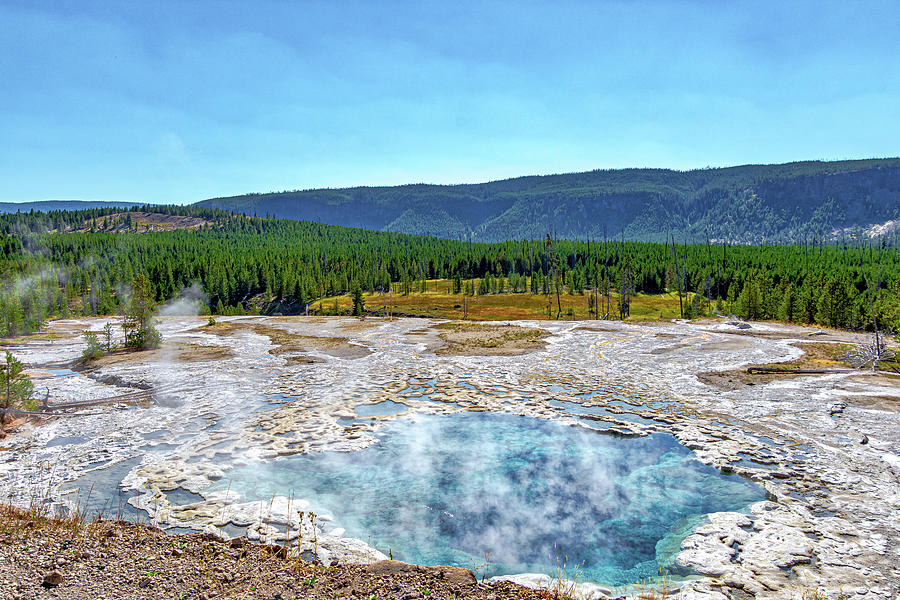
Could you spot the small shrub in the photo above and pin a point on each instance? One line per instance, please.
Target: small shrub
(144, 338)
(92, 349)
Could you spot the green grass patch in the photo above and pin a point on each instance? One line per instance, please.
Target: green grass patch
(438, 301)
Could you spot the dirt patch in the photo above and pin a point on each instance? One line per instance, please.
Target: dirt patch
(11, 424)
(199, 353)
(339, 347)
(302, 360)
(476, 339)
(292, 344)
(873, 402)
(816, 356)
(736, 379)
(357, 325)
(53, 335)
(884, 379)
(175, 352)
(134, 561)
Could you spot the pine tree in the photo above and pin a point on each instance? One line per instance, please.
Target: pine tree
(359, 304)
(787, 306)
(107, 336)
(748, 302)
(140, 331)
(689, 310)
(833, 304)
(15, 386)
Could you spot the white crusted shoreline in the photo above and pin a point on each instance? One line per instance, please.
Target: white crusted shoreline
(831, 521)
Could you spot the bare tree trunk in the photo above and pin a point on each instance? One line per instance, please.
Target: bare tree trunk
(710, 258)
(390, 283)
(555, 275)
(605, 272)
(871, 297)
(677, 278)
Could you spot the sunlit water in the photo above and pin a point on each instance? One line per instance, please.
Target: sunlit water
(451, 489)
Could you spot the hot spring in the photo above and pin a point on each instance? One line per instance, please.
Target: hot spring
(508, 494)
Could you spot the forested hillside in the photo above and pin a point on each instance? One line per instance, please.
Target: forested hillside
(246, 264)
(748, 204)
(51, 205)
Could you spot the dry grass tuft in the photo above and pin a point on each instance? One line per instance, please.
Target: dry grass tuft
(656, 589)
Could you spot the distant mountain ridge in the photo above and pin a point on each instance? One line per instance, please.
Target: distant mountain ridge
(48, 205)
(749, 204)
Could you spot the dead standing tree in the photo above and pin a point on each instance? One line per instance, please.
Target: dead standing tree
(677, 278)
(390, 279)
(606, 291)
(550, 248)
(871, 354)
(626, 282)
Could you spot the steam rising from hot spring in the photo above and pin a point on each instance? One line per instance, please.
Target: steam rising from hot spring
(451, 489)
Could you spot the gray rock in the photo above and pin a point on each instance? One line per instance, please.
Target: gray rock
(52, 579)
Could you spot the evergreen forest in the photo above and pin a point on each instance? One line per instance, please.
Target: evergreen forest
(62, 263)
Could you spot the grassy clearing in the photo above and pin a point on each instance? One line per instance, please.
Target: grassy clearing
(825, 355)
(818, 355)
(438, 301)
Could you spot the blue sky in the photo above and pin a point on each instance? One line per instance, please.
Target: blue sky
(181, 101)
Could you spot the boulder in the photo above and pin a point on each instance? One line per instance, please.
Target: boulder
(52, 579)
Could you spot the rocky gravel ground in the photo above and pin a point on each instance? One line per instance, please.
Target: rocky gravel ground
(40, 558)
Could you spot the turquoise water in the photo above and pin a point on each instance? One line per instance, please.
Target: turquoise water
(448, 489)
(385, 408)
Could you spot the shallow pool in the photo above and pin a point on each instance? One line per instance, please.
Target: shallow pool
(450, 489)
(385, 408)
